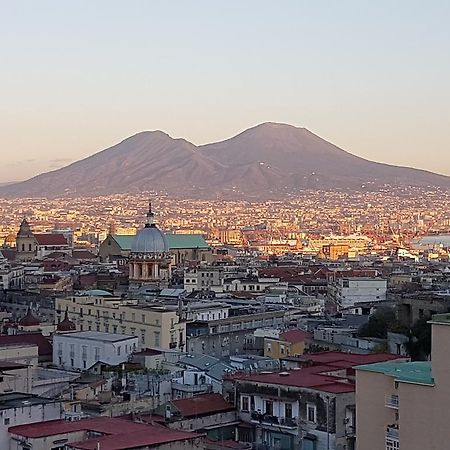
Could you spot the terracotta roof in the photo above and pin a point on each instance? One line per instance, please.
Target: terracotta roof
(294, 336)
(43, 345)
(202, 405)
(50, 239)
(119, 433)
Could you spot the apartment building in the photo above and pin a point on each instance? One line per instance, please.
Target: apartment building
(155, 326)
(347, 291)
(81, 350)
(404, 405)
(309, 408)
(232, 335)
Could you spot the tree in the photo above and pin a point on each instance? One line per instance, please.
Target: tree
(419, 344)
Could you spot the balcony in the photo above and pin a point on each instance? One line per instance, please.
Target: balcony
(192, 388)
(391, 401)
(392, 433)
(273, 421)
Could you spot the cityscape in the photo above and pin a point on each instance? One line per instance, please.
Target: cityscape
(224, 225)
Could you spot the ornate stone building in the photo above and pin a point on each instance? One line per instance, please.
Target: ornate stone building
(150, 258)
(25, 243)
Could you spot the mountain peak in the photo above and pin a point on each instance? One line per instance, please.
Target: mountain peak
(275, 158)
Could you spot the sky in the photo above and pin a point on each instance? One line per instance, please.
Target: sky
(79, 76)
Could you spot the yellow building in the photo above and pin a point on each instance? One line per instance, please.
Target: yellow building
(156, 326)
(289, 343)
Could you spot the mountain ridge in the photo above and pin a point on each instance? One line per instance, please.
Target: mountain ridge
(267, 159)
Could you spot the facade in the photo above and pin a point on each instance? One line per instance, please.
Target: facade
(405, 405)
(32, 246)
(155, 326)
(81, 350)
(231, 336)
(311, 408)
(20, 409)
(11, 275)
(347, 291)
(289, 343)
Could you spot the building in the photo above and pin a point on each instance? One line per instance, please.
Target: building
(80, 350)
(101, 433)
(23, 409)
(404, 405)
(347, 291)
(11, 274)
(183, 248)
(97, 310)
(311, 408)
(205, 413)
(288, 343)
(150, 260)
(30, 246)
(231, 336)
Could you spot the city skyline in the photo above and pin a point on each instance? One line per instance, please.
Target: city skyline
(369, 78)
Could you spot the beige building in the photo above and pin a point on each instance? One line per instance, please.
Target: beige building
(155, 326)
(404, 405)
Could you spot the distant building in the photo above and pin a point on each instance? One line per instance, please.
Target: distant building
(81, 350)
(347, 291)
(288, 343)
(97, 310)
(30, 246)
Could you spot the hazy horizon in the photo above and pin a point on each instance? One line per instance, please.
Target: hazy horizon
(78, 78)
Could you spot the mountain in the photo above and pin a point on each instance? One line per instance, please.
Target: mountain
(268, 159)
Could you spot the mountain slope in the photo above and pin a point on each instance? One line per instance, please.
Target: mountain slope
(267, 159)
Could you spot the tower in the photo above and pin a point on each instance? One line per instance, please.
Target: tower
(25, 242)
(150, 259)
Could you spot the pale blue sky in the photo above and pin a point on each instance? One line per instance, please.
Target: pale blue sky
(78, 76)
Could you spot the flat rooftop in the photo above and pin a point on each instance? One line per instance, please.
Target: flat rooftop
(417, 372)
(97, 336)
(19, 400)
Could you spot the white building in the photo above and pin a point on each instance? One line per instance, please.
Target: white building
(350, 290)
(81, 350)
(11, 275)
(20, 409)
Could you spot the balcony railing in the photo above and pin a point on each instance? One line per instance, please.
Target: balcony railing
(267, 419)
(194, 388)
(392, 401)
(392, 433)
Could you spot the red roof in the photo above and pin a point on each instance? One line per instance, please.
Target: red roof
(294, 336)
(118, 433)
(320, 376)
(201, 405)
(50, 239)
(43, 345)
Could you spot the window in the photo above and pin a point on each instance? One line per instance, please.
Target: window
(245, 404)
(288, 410)
(392, 444)
(118, 350)
(157, 336)
(269, 407)
(269, 347)
(97, 353)
(311, 412)
(7, 420)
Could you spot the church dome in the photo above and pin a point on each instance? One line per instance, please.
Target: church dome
(29, 320)
(66, 324)
(150, 239)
